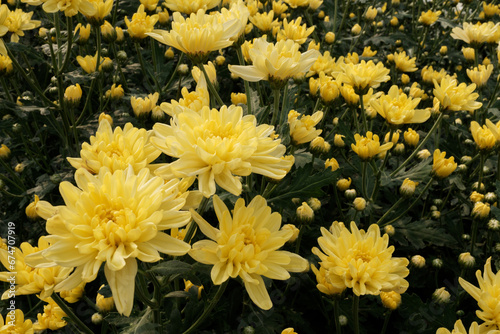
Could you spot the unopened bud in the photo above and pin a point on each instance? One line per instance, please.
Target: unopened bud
(350, 194)
(359, 203)
(466, 260)
(441, 296)
(418, 261)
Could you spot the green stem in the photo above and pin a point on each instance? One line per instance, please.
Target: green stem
(336, 313)
(481, 167)
(475, 225)
(386, 322)
(299, 239)
(498, 166)
(69, 28)
(363, 179)
(211, 87)
(179, 61)
(192, 225)
(388, 212)
(209, 309)
(69, 312)
(363, 114)
(355, 313)
(6, 89)
(122, 76)
(276, 107)
(417, 149)
(241, 59)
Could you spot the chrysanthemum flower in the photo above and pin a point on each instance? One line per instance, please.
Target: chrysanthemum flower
(113, 218)
(294, 31)
(495, 129)
(102, 9)
(483, 136)
(116, 149)
(369, 146)
(69, 7)
(191, 100)
(297, 3)
(31, 280)
(18, 21)
(264, 21)
(143, 106)
(459, 328)
(51, 318)
(487, 296)
(20, 325)
(474, 34)
(191, 6)
(275, 62)
(246, 245)
(88, 63)
(480, 74)
(399, 109)
(429, 17)
(404, 63)
(141, 24)
(442, 167)
(217, 146)
(364, 75)
(198, 35)
(238, 11)
(361, 261)
(303, 127)
(429, 75)
(453, 96)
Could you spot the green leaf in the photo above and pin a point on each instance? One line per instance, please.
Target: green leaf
(177, 294)
(174, 268)
(421, 233)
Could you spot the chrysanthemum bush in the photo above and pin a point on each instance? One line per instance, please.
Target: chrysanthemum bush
(246, 166)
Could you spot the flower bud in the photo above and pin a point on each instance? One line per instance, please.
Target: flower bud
(399, 149)
(350, 194)
(183, 69)
(462, 168)
(108, 32)
(494, 224)
(423, 154)
(343, 184)
(72, 95)
(19, 168)
(106, 117)
(407, 189)
(333, 164)
(391, 299)
(96, 318)
(359, 203)
(319, 146)
(31, 209)
(370, 13)
(405, 79)
(330, 37)
(169, 54)
(292, 228)
(475, 186)
(343, 320)
(411, 137)
(120, 37)
(104, 304)
(305, 214)
(435, 214)
(418, 261)
(390, 230)
(122, 56)
(238, 98)
(437, 263)
(356, 29)
(490, 197)
(338, 140)
(441, 296)
(314, 203)
(481, 210)
(220, 60)
(4, 152)
(466, 260)
(443, 51)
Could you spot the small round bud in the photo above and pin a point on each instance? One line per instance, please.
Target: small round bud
(122, 56)
(314, 203)
(460, 313)
(423, 154)
(475, 186)
(169, 54)
(350, 194)
(335, 121)
(441, 296)
(407, 189)
(183, 69)
(437, 201)
(391, 299)
(490, 197)
(342, 320)
(436, 215)
(359, 203)
(304, 213)
(458, 121)
(437, 263)
(494, 224)
(329, 37)
(292, 228)
(4, 152)
(466, 260)
(332, 163)
(106, 117)
(465, 159)
(481, 210)
(338, 140)
(465, 236)
(19, 168)
(220, 60)
(405, 79)
(390, 230)
(319, 146)
(443, 50)
(31, 209)
(433, 208)
(356, 29)
(248, 330)
(104, 304)
(96, 318)
(418, 261)
(462, 168)
(497, 247)
(343, 184)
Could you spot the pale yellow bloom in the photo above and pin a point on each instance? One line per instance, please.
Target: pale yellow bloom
(475, 34)
(199, 34)
(294, 31)
(69, 7)
(429, 17)
(141, 24)
(297, 3)
(302, 127)
(453, 96)
(364, 75)
(143, 106)
(191, 100)
(246, 245)
(113, 218)
(279, 7)
(103, 8)
(360, 260)
(88, 63)
(217, 146)
(105, 304)
(429, 74)
(21, 326)
(404, 63)
(116, 149)
(238, 11)
(51, 318)
(264, 21)
(442, 167)
(483, 136)
(18, 21)
(480, 75)
(495, 129)
(411, 137)
(275, 62)
(399, 109)
(211, 71)
(369, 146)
(459, 328)
(190, 6)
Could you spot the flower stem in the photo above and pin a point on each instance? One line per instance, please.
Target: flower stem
(276, 107)
(69, 28)
(70, 314)
(481, 167)
(6, 89)
(122, 76)
(363, 179)
(336, 315)
(172, 76)
(192, 225)
(209, 309)
(387, 212)
(355, 313)
(386, 322)
(475, 225)
(210, 85)
(247, 85)
(417, 149)
(363, 114)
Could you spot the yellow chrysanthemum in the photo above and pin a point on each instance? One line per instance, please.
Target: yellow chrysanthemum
(294, 31)
(404, 63)
(369, 146)
(246, 245)
(487, 296)
(495, 129)
(116, 149)
(198, 35)
(361, 260)
(113, 218)
(364, 75)
(480, 74)
(483, 136)
(442, 167)
(475, 34)
(324, 63)
(191, 100)
(191, 6)
(143, 106)
(102, 9)
(69, 7)
(297, 3)
(30, 280)
(453, 96)
(429, 74)
(275, 62)
(429, 17)
(237, 11)
(217, 146)
(141, 24)
(399, 109)
(88, 63)
(264, 21)
(51, 318)
(20, 326)
(18, 21)
(459, 328)
(323, 284)
(303, 127)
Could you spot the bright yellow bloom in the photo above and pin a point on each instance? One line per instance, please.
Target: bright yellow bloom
(143, 106)
(495, 129)
(480, 75)
(5, 65)
(275, 62)
(475, 34)
(88, 63)
(69, 7)
(404, 63)
(360, 260)
(487, 296)
(30, 280)
(364, 75)
(371, 13)
(238, 11)
(483, 136)
(429, 17)
(113, 218)
(368, 52)
(294, 31)
(453, 96)
(115, 92)
(198, 35)
(21, 326)
(442, 167)
(83, 32)
(18, 21)
(191, 100)
(399, 109)
(103, 8)
(302, 127)
(31, 209)
(51, 318)
(369, 146)
(211, 71)
(238, 98)
(246, 245)
(469, 53)
(264, 21)
(116, 149)
(429, 74)
(490, 9)
(459, 328)
(297, 3)
(217, 146)
(141, 24)
(279, 7)
(408, 187)
(73, 94)
(476, 197)
(190, 6)
(390, 299)
(411, 137)
(481, 210)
